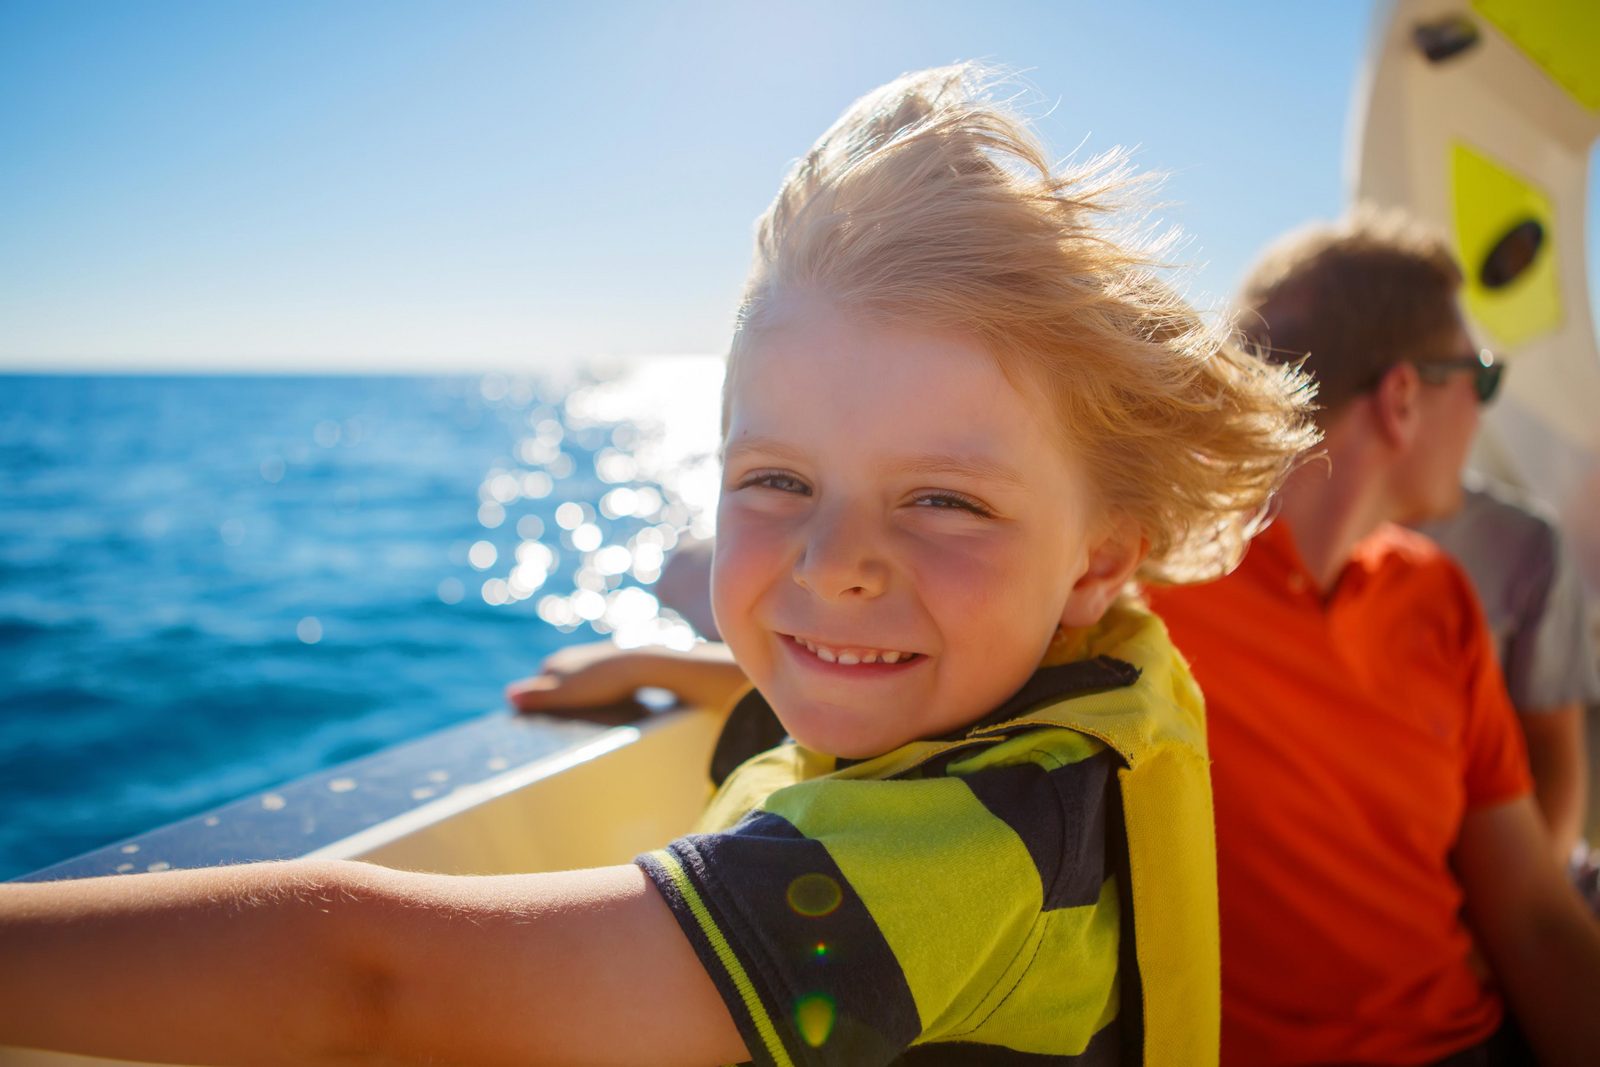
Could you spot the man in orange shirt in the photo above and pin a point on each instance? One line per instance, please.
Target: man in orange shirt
(1377, 840)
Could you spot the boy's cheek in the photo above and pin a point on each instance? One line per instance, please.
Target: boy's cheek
(994, 606)
(744, 565)
(967, 582)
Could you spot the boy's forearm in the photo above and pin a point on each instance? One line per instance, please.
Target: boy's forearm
(238, 965)
(704, 676)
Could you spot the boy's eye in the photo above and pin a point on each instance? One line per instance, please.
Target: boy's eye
(953, 501)
(784, 483)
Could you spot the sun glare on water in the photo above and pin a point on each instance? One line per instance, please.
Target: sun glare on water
(632, 447)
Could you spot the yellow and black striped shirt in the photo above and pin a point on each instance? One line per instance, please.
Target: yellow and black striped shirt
(955, 901)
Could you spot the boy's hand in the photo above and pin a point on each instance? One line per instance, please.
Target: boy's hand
(600, 673)
(580, 676)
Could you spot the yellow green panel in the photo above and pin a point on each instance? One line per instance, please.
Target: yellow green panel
(1561, 36)
(1488, 201)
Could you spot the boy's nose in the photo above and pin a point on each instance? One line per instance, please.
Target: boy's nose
(838, 560)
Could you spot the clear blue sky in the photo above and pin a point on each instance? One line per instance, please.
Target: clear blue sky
(400, 185)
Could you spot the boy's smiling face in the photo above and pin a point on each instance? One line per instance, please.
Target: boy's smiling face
(900, 533)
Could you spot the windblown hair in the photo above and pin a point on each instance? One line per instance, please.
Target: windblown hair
(929, 203)
(1351, 299)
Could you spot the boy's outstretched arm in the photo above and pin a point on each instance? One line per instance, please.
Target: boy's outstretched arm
(332, 962)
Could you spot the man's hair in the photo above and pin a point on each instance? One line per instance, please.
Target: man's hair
(929, 203)
(1351, 299)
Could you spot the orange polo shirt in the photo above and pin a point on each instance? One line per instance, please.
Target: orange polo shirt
(1349, 737)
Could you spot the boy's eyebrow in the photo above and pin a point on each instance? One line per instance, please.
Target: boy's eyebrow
(974, 467)
(978, 468)
(769, 445)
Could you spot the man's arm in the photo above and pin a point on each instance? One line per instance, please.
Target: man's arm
(321, 963)
(1541, 942)
(1559, 761)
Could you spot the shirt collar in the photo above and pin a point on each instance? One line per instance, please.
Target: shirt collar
(1274, 556)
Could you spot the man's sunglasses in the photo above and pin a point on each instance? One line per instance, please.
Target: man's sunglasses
(1486, 371)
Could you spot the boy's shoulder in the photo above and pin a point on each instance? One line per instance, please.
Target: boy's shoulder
(1058, 801)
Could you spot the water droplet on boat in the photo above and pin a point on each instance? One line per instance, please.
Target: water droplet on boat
(341, 785)
(498, 763)
(438, 776)
(124, 868)
(130, 849)
(212, 820)
(273, 801)
(159, 865)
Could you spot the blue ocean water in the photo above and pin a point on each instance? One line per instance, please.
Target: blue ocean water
(210, 585)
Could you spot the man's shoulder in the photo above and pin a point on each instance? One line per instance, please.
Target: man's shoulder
(1505, 503)
(1497, 526)
(1396, 546)
(1404, 556)
(1411, 576)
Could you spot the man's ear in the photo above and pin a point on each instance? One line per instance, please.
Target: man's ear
(1113, 557)
(1394, 405)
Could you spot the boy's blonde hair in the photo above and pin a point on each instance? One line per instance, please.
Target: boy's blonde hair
(929, 203)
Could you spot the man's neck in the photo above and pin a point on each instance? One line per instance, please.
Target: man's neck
(1331, 503)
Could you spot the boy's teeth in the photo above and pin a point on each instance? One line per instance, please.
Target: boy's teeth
(851, 656)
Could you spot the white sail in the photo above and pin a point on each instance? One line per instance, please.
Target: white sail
(1481, 117)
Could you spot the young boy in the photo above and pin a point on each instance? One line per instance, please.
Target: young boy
(959, 419)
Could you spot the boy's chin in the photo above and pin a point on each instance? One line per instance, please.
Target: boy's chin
(839, 735)
(837, 732)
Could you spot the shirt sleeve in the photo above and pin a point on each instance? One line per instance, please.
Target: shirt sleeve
(849, 919)
(1496, 754)
(1551, 662)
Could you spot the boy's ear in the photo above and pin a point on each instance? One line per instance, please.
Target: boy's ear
(1113, 558)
